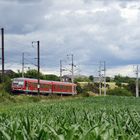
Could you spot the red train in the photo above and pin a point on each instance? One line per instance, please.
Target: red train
(28, 85)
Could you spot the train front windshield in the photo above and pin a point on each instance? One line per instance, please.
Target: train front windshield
(18, 83)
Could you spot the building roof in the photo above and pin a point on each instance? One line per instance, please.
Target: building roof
(7, 71)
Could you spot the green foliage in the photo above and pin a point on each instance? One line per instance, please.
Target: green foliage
(118, 83)
(91, 78)
(6, 86)
(97, 118)
(81, 79)
(131, 86)
(92, 87)
(82, 90)
(52, 77)
(122, 79)
(33, 74)
(119, 92)
(79, 89)
(86, 94)
(18, 74)
(108, 79)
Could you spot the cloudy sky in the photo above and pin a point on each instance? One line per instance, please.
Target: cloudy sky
(92, 30)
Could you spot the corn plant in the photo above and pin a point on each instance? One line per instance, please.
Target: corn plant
(91, 118)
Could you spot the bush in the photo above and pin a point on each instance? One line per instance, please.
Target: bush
(85, 94)
(6, 86)
(89, 87)
(79, 89)
(119, 84)
(119, 92)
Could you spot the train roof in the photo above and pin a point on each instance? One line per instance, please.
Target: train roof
(32, 79)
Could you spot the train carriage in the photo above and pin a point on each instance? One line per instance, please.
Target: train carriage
(63, 88)
(28, 85)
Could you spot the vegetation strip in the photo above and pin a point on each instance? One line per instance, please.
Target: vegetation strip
(84, 118)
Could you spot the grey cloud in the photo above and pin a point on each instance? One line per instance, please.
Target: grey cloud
(22, 1)
(22, 19)
(91, 36)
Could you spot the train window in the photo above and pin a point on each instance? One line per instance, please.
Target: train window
(55, 87)
(65, 87)
(44, 86)
(61, 87)
(15, 83)
(47, 86)
(58, 87)
(70, 87)
(35, 84)
(18, 83)
(41, 85)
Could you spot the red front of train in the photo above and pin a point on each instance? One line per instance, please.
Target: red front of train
(28, 85)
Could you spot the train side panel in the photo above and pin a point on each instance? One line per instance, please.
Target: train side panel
(61, 88)
(27, 85)
(31, 86)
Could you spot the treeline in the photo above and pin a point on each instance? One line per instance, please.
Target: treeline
(32, 74)
(124, 85)
(6, 86)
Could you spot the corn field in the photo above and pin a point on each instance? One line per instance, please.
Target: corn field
(89, 118)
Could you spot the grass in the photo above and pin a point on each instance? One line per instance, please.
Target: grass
(98, 118)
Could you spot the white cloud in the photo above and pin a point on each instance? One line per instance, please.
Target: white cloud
(127, 70)
(92, 30)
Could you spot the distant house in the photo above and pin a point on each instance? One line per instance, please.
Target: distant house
(7, 72)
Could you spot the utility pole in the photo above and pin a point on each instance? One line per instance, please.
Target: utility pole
(100, 79)
(104, 78)
(72, 70)
(38, 65)
(23, 65)
(38, 62)
(137, 81)
(61, 69)
(2, 44)
(102, 64)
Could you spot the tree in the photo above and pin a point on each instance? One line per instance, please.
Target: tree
(122, 79)
(119, 92)
(91, 78)
(108, 79)
(79, 89)
(33, 74)
(118, 83)
(52, 77)
(6, 86)
(81, 79)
